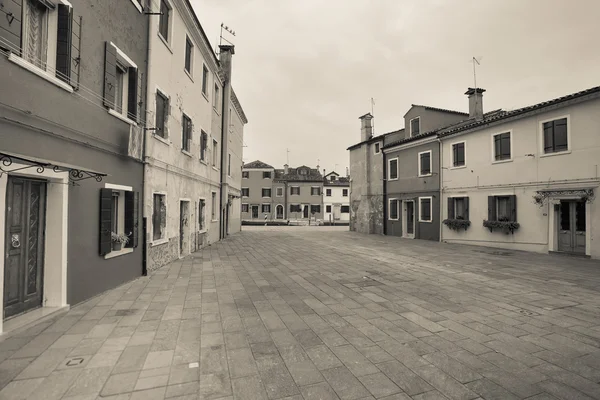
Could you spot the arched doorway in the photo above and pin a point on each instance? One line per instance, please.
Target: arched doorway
(279, 211)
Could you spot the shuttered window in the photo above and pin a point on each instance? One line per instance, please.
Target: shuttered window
(186, 133)
(502, 146)
(502, 208)
(345, 209)
(162, 106)
(295, 190)
(189, 55)
(555, 136)
(393, 209)
(117, 206)
(159, 216)
(458, 154)
(393, 169)
(425, 163)
(458, 208)
(163, 23)
(315, 208)
(201, 216)
(425, 209)
(122, 84)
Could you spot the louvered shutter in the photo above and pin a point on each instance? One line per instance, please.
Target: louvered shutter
(106, 213)
(63, 42)
(131, 218)
(491, 208)
(110, 74)
(450, 208)
(10, 26)
(512, 207)
(132, 94)
(75, 50)
(466, 202)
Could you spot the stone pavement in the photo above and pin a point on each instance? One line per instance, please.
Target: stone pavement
(288, 313)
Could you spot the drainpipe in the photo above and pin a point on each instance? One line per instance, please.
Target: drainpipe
(441, 186)
(225, 55)
(385, 211)
(145, 150)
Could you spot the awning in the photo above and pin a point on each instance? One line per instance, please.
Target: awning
(76, 173)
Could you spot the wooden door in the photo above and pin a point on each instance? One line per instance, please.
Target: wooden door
(24, 245)
(181, 225)
(410, 217)
(305, 211)
(254, 211)
(337, 210)
(572, 229)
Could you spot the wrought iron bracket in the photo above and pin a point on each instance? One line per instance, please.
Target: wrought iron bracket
(542, 196)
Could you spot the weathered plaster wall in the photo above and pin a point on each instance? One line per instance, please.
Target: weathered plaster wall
(255, 183)
(366, 194)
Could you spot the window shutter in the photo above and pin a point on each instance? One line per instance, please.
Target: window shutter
(131, 217)
(110, 74)
(105, 221)
(512, 206)
(491, 208)
(75, 61)
(167, 115)
(466, 203)
(132, 94)
(63, 42)
(10, 26)
(450, 207)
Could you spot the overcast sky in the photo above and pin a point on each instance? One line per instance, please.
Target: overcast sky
(305, 70)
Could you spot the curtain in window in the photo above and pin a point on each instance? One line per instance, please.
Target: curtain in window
(503, 209)
(34, 43)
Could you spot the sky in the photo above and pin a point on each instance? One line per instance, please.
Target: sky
(305, 70)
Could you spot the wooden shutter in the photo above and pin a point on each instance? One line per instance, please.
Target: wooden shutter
(512, 207)
(63, 42)
(75, 50)
(110, 74)
(450, 207)
(106, 213)
(132, 94)
(131, 218)
(466, 203)
(491, 208)
(10, 25)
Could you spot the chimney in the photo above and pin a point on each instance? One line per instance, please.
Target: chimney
(366, 127)
(324, 172)
(475, 102)
(285, 169)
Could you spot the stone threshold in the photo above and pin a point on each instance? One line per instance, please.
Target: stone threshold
(29, 319)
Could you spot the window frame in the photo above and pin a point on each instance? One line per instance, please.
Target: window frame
(202, 215)
(270, 176)
(262, 193)
(127, 63)
(165, 128)
(541, 133)
(165, 237)
(186, 130)
(312, 189)
(342, 209)
(203, 146)
(229, 165)
(247, 207)
(245, 174)
(214, 208)
(464, 165)
(328, 208)
(292, 190)
(504, 160)
(216, 96)
(345, 192)
(327, 192)
(466, 206)
(420, 166)
(397, 209)
(189, 45)
(279, 191)
(377, 147)
(389, 169)
(205, 81)
(430, 198)
(215, 154)
(262, 209)
(169, 20)
(242, 192)
(411, 125)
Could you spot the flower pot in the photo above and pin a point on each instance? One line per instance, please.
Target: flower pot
(117, 246)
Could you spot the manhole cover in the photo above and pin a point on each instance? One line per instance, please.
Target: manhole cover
(74, 362)
(528, 313)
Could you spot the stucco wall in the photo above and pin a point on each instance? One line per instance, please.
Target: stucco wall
(305, 197)
(255, 183)
(422, 230)
(431, 119)
(366, 200)
(335, 198)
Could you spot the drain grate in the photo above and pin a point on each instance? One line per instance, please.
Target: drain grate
(528, 313)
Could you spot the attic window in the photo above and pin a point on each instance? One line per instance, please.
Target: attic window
(415, 126)
(332, 178)
(302, 172)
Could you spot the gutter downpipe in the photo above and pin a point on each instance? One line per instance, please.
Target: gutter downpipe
(441, 186)
(384, 169)
(145, 150)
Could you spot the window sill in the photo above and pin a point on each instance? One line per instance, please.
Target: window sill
(216, 110)
(392, 179)
(122, 252)
(214, 220)
(187, 153)
(121, 117)
(137, 5)
(188, 74)
(159, 242)
(205, 96)
(558, 153)
(204, 162)
(389, 219)
(425, 176)
(428, 222)
(502, 161)
(215, 168)
(161, 139)
(459, 167)
(165, 42)
(39, 72)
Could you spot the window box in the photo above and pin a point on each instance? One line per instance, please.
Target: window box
(119, 217)
(505, 226)
(457, 224)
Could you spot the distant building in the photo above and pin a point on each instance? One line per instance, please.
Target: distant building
(336, 198)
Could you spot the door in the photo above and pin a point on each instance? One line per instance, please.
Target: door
(572, 229)
(181, 225)
(305, 211)
(254, 211)
(337, 210)
(279, 211)
(410, 219)
(24, 245)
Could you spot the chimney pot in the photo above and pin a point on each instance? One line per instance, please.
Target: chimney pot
(475, 102)
(285, 168)
(366, 127)
(324, 172)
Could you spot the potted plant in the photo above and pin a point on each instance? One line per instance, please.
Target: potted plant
(457, 224)
(118, 240)
(503, 224)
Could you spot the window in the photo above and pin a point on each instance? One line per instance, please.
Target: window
(424, 209)
(315, 208)
(555, 136)
(266, 208)
(425, 163)
(215, 155)
(245, 192)
(345, 209)
(163, 22)
(213, 207)
(159, 217)
(216, 97)
(458, 154)
(377, 147)
(245, 208)
(328, 208)
(393, 169)
(458, 208)
(201, 217)
(162, 106)
(315, 191)
(279, 191)
(415, 126)
(189, 54)
(502, 208)
(393, 209)
(328, 192)
(332, 178)
(119, 215)
(229, 164)
(205, 80)
(266, 192)
(120, 84)
(245, 174)
(303, 171)
(120, 87)
(344, 192)
(295, 208)
(186, 135)
(203, 145)
(266, 174)
(295, 190)
(34, 32)
(502, 146)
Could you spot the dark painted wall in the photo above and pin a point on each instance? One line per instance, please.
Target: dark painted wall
(423, 230)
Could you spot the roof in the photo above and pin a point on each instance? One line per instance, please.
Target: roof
(238, 106)
(372, 140)
(341, 181)
(438, 109)
(257, 165)
(332, 173)
(293, 175)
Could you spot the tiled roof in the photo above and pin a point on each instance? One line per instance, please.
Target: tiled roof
(293, 175)
(341, 181)
(372, 140)
(440, 109)
(256, 164)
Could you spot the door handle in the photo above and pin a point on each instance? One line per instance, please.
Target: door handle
(14, 240)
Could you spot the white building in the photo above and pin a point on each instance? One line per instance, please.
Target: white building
(336, 198)
(192, 174)
(526, 179)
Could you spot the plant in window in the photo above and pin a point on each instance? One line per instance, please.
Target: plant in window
(457, 224)
(503, 223)
(118, 240)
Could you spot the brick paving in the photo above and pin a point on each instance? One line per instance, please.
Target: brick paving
(322, 313)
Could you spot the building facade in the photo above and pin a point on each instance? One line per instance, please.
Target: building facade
(257, 191)
(526, 179)
(73, 198)
(303, 188)
(336, 198)
(190, 185)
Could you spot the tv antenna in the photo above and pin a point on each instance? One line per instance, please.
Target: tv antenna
(373, 114)
(476, 61)
(227, 29)
(288, 156)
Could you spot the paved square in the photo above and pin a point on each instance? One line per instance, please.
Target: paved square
(322, 313)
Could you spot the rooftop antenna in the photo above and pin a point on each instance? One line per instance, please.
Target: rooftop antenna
(222, 38)
(373, 114)
(288, 156)
(478, 62)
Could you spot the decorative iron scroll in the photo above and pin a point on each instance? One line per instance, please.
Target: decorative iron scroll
(541, 197)
(75, 175)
